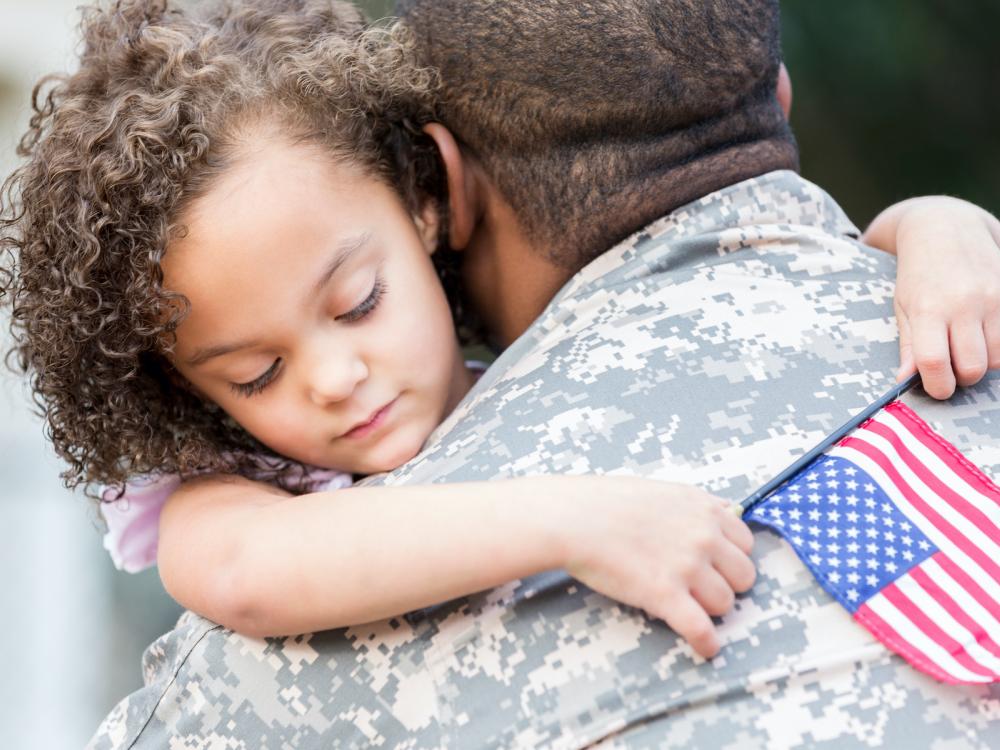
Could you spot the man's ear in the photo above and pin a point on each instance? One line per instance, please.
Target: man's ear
(463, 204)
(784, 91)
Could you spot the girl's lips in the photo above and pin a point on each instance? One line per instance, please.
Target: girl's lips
(377, 419)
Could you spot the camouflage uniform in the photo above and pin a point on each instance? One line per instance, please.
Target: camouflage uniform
(712, 348)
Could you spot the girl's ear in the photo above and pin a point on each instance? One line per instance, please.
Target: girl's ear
(463, 202)
(428, 222)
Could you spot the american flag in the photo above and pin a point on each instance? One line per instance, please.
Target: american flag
(904, 532)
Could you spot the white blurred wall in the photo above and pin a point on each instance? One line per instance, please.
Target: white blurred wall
(72, 627)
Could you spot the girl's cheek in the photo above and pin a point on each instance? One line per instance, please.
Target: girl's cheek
(280, 421)
(438, 331)
(269, 424)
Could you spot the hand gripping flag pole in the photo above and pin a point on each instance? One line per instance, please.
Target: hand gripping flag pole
(904, 531)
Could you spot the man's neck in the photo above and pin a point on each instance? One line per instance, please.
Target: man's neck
(712, 172)
(510, 277)
(662, 192)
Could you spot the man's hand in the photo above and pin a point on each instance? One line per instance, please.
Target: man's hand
(673, 550)
(947, 289)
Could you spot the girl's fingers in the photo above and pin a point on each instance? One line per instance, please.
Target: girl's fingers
(736, 531)
(691, 622)
(968, 351)
(931, 355)
(906, 364)
(991, 332)
(712, 591)
(735, 567)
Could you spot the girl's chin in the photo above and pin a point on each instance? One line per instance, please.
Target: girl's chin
(389, 457)
(387, 454)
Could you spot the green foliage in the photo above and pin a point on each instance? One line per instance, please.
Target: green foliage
(375, 9)
(896, 98)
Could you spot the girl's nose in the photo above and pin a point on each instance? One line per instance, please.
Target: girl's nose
(334, 378)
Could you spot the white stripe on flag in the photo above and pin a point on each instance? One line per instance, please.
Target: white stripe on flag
(940, 468)
(917, 639)
(930, 530)
(946, 510)
(952, 628)
(962, 598)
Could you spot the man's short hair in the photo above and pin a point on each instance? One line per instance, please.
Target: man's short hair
(594, 117)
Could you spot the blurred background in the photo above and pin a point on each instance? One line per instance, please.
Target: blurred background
(892, 99)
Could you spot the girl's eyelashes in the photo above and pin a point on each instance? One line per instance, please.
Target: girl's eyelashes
(258, 384)
(368, 305)
(364, 309)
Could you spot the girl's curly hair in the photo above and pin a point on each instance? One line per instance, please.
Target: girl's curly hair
(117, 150)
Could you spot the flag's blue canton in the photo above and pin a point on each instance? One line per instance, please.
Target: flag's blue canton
(841, 523)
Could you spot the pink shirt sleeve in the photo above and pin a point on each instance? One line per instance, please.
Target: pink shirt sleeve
(133, 520)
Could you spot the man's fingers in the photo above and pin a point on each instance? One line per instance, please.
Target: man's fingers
(968, 351)
(735, 566)
(931, 355)
(692, 623)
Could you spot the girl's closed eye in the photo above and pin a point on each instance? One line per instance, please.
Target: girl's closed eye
(257, 385)
(368, 305)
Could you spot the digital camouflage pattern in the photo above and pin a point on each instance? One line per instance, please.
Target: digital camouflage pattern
(713, 348)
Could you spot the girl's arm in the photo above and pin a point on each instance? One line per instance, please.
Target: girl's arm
(249, 557)
(947, 288)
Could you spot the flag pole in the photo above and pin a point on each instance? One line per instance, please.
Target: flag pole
(887, 398)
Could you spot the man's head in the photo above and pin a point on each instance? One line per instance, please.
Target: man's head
(594, 118)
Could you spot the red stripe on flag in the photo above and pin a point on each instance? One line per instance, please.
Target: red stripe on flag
(885, 633)
(952, 608)
(933, 631)
(956, 537)
(982, 522)
(966, 581)
(944, 450)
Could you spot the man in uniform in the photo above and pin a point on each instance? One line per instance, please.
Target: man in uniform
(733, 323)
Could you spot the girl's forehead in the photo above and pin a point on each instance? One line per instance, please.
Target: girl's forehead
(275, 201)
(272, 231)
(269, 168)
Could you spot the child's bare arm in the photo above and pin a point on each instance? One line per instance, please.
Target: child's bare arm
(947, 288)
(263, 563)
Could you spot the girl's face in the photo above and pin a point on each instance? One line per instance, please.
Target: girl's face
(317, 320)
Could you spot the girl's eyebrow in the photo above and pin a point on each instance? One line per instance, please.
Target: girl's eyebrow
(345, 250)
(201, 356)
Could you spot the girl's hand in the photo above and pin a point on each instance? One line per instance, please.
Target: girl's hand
(673, 550)
(947, 289)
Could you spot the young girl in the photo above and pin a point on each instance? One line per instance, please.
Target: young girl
(225, 244)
